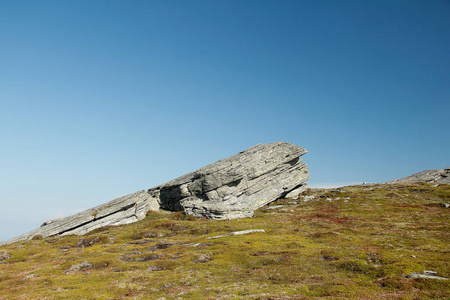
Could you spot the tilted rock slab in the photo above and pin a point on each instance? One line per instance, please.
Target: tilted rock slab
(235, 186)
(230, 188)
(123, 210)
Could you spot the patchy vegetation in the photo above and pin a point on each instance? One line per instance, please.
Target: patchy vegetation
(358, 242)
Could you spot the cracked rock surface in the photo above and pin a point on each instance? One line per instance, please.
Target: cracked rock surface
(233, 187)
(123, 210)
(236, 186)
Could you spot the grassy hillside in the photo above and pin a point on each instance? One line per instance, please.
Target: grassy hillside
(354, 242)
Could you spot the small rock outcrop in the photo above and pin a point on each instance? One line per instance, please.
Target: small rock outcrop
(426, 274)
(4, 255)
(233, 187)
(79, 267)
(237, 233)
(439, 176)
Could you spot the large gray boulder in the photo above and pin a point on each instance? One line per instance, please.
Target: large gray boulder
(438, 176)
(233, 187)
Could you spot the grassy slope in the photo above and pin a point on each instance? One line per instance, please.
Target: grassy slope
(355, 247)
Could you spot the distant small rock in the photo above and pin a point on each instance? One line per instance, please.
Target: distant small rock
(275, 207)
(295, 194)
(329, 258)
(131, 258)
(308, 198)
(237, 233)
(87, 242)
(29, 276)
(202, 259)
(4, 255)
(160, 246)
(154, 268)
(193, 245)
(153, 235)
(425, 274)
(79, 267)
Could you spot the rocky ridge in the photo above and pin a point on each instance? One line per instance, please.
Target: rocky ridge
(230, 188)
(438, 176)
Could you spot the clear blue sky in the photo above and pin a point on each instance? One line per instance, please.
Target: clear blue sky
(99, 99)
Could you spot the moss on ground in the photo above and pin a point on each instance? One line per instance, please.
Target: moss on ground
(355, 242)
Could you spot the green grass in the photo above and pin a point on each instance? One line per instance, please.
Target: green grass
(355, 247)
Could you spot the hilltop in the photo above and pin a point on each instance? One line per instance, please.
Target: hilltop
(358, 242)
(437, 176)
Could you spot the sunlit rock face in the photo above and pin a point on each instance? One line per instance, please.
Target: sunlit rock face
(235, 186)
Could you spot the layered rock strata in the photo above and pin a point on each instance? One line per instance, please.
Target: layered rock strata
(233, 187)
(123, 210)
